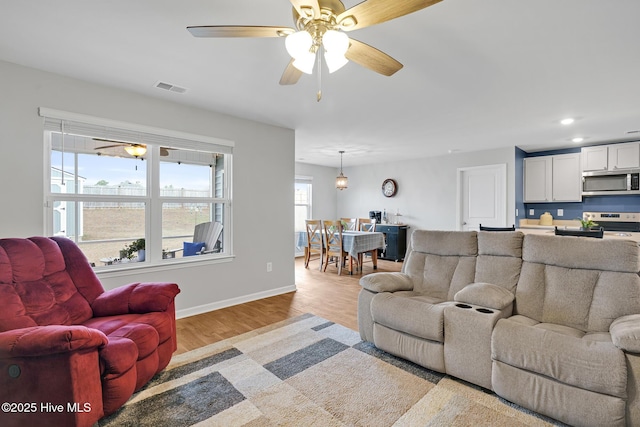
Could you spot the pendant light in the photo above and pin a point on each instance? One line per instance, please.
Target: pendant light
(341, 180)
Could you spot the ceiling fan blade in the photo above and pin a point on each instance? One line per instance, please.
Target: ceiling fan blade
(371, 12)
(291, 75)
(372, 58)
(107, 146)
(239, 31)
(307, 8)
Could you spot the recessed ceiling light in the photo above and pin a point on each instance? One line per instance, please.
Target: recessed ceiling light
(567, 121)
(577, 139)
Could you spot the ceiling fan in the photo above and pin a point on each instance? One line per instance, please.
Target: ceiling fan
(321, 25)
(133, 149)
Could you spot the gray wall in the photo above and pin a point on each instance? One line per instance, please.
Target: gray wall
(263, 177)
(427, 188)
(323, 196)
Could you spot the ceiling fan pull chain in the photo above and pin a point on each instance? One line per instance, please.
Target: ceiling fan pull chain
(319, 62)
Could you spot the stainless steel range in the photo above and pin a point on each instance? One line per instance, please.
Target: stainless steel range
(615, 221)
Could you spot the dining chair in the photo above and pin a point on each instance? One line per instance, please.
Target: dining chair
(366, 224)
(349, 224)
(483, 228)
(314, 240)
(598, 234)
(333, 244)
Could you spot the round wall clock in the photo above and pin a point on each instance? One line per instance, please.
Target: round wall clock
(389, 187)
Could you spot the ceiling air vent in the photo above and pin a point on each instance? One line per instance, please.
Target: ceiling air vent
(170, 87)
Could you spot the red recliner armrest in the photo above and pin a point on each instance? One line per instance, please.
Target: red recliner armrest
(136, 298)
(48, 340)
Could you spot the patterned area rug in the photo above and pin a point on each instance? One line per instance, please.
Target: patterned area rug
(308, 371)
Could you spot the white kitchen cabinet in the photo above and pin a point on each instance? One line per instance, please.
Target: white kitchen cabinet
(537, 179)
(611, 157)
(595, 158)
(566, 183)
(553, 178)
(624, 156)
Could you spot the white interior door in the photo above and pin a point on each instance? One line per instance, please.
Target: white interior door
(482, 197)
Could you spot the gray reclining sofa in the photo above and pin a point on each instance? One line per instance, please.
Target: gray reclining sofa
(551, 323)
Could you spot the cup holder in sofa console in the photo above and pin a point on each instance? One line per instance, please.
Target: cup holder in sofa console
(484, 310)
(463, 306)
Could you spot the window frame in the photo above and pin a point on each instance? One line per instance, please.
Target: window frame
(299, 179)
(153, 138)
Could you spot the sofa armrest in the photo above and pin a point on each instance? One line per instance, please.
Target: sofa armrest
(137, 298)
(625, 333)
(485, 295)
(46, 340)
(386, 282)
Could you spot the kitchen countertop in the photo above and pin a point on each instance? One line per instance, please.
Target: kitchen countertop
(532, 226)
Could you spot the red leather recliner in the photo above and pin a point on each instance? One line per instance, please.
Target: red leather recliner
(71, 353)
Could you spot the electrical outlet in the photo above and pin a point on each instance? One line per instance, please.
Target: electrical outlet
(517, 214)
(532, 212)
(560, 212)
(269, 267)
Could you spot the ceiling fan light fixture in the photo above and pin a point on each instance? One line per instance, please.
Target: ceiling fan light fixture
(335, 42)
(335, 45)
(305, 62)
(335, 61)
(298, 44)
(136, 150)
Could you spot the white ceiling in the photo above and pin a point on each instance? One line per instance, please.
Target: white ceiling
(477, 74)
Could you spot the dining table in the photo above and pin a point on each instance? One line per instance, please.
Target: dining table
(355, 243)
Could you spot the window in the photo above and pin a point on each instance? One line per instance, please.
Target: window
(123, 206)
(302, 201)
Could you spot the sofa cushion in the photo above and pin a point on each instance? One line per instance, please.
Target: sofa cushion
(564, 354)
(622, 255)
(117, 357)
(412, 314)
(505, 243)
(144, 336)
(485, 295)
(440, 263)
(625, 333)
(440, 276)
(564, 281)
(386, 282)
(39, 286)
(499, 258)
(446, 243)
(160, 321)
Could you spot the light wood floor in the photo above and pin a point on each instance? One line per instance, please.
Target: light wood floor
(324, 294)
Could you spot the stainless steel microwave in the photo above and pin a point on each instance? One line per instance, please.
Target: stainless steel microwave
(610, 183)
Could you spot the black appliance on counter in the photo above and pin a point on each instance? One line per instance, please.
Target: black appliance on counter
(377, 215)
(615, 221)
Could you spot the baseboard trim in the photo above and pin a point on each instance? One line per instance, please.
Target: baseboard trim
(205, 308)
